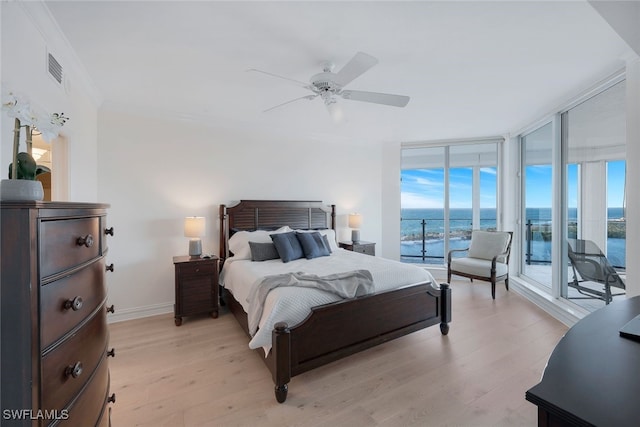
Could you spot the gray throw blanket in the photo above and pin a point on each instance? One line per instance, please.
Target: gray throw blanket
(348, 285)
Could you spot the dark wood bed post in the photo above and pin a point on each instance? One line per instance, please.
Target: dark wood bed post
(281, 348)
(445, 308)
(333, 217)
(223, 234)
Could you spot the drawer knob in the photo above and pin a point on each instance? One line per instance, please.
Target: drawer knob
(74, 370)
(109, 231)
(85, 241)
(73, 304)
(111, 309)
(111, 352)
(112, 398)
(109, 267)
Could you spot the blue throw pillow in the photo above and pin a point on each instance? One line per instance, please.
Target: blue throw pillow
(288, 246)
(325, 239)
(312, 245)
(263, 251)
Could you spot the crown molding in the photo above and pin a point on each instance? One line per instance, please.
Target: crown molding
(58, 44)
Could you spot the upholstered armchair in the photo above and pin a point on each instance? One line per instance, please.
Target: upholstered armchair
(487, 258)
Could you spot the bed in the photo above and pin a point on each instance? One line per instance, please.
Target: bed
(331, 327)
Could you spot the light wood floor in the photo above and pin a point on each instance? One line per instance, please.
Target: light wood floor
(203, 373)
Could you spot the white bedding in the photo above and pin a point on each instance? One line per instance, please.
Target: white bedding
(292, 304)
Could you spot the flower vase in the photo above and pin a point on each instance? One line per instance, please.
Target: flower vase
(21, 189)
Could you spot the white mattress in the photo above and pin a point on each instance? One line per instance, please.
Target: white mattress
(293, 304)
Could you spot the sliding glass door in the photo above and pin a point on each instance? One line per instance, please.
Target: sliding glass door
(537, 194)
(573, 197)
(595, 139)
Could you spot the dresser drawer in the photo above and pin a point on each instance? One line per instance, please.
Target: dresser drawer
(86, 347)
(67, 301)
(87, 409)
(67, 243)
(197, 269)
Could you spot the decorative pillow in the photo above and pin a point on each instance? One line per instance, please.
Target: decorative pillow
(239, 242)
(313, 245)
(288, 246)
(326, 243)
(487, 244)
(263, 251)
(329, 233)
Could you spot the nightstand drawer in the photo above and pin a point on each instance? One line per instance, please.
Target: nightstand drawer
(365, 249)
(197, 269)
(362, 247)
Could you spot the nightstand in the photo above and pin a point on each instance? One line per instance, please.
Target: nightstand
(196, 286)
(368, 248)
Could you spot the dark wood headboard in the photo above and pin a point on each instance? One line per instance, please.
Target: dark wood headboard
(271, 214)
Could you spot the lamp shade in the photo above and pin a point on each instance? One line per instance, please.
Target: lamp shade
(335, 111)
(355, 220)
(194, 226)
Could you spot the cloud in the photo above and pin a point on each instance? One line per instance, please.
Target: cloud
(409, 200)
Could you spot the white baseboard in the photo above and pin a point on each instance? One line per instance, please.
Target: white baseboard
(564, 311)
(139, 312)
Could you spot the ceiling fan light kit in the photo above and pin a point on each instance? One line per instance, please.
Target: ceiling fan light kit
(329, 85)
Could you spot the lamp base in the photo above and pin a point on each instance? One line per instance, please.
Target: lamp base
(195, 248)
(355, 236)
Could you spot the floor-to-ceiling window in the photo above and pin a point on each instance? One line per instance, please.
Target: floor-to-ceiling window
(537, 192)
(447, 191)
(573, 195)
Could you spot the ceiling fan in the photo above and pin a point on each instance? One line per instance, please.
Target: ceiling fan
(329, 85)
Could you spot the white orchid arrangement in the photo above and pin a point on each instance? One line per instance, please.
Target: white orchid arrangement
(33, 120)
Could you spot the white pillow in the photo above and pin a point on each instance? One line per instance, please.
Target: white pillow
(331, 236)
(239, 242)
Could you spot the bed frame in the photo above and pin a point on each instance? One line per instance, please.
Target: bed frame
(336, 330)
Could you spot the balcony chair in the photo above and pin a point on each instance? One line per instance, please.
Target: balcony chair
(589, 264)
(487, 258)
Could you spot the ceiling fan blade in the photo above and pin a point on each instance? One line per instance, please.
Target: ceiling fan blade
(376, 98)
(299, 83)
(360, 63)
(309, 97)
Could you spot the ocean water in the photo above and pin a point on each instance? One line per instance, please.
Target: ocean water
(460, 231)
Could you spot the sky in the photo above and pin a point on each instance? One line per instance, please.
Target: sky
(424, 188)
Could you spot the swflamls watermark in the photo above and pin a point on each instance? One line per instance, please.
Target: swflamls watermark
(35, 414)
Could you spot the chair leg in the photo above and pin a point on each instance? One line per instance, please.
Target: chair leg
(493, 290)
(448, 276)
(506, 283)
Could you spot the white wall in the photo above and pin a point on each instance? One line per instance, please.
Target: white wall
(155, 171)
(633, 176)
(27, 35)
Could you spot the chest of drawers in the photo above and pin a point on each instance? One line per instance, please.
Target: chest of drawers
(53, 312)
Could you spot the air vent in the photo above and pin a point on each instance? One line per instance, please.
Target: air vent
(55, 69)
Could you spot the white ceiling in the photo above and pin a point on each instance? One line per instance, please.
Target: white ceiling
(472, 69)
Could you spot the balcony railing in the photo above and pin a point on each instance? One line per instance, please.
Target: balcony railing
(422, 239)
(538, 241)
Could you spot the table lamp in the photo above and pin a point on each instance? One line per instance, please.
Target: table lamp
(355, 221)
(194, 229)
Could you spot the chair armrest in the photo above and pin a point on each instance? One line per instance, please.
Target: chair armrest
(494, 260)
(455, 250)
